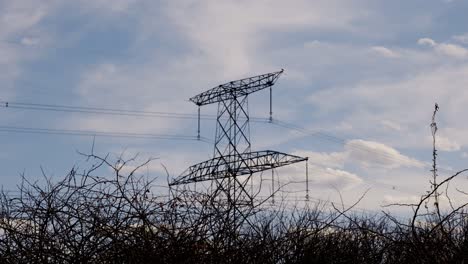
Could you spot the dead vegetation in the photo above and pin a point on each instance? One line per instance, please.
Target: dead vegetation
(116, 218)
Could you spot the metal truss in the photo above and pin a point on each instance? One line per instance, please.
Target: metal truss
(245, 164)
(232, 157)
(235, 89)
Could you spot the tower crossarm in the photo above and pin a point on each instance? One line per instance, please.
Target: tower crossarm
(236, 89)
(238, 165)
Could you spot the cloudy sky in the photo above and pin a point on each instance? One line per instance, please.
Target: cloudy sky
(364, 74)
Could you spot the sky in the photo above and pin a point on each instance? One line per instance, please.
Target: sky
(365, 74)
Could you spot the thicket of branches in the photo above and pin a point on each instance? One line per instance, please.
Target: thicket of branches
(90, 219)
(85, 218)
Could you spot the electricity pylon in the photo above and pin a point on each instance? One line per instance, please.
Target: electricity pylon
(233, 162)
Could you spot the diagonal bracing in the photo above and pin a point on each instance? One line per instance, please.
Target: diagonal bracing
(232, 155)
(221, 167)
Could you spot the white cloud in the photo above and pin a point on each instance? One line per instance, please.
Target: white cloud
(461, 38)
(392, 199)
(19, 19)
(325, 170)
(427, 41)
(319, 176)
(30, 41)
(344, 126)
(451, 50)
(221, 45)
(366, 154)
(335, 178)
(328, 169)
(18, 16)
(136, 88)
(446, 144)
(228, 33)
(407, 100)
(157, 90)
(391, 125)
(374, 154)
(386, 52)
(108, 5)
(332, 160)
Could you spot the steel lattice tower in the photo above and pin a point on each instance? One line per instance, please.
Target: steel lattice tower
(233, 162)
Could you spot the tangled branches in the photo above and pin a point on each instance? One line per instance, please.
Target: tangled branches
(118, 218)
(86, 218)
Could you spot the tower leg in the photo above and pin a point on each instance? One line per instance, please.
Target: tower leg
(271, 105)
(198, 131)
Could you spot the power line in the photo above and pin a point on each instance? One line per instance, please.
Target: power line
(70, 132)
(94, 110)
(337, 140)
(114, 111)
(109, 111)
(174, 115)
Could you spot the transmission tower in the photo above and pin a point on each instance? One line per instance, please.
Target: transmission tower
(233, 163)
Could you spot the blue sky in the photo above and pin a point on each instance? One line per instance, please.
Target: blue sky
(367, 72)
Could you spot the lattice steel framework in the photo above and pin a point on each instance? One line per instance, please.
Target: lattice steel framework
(232, 149)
